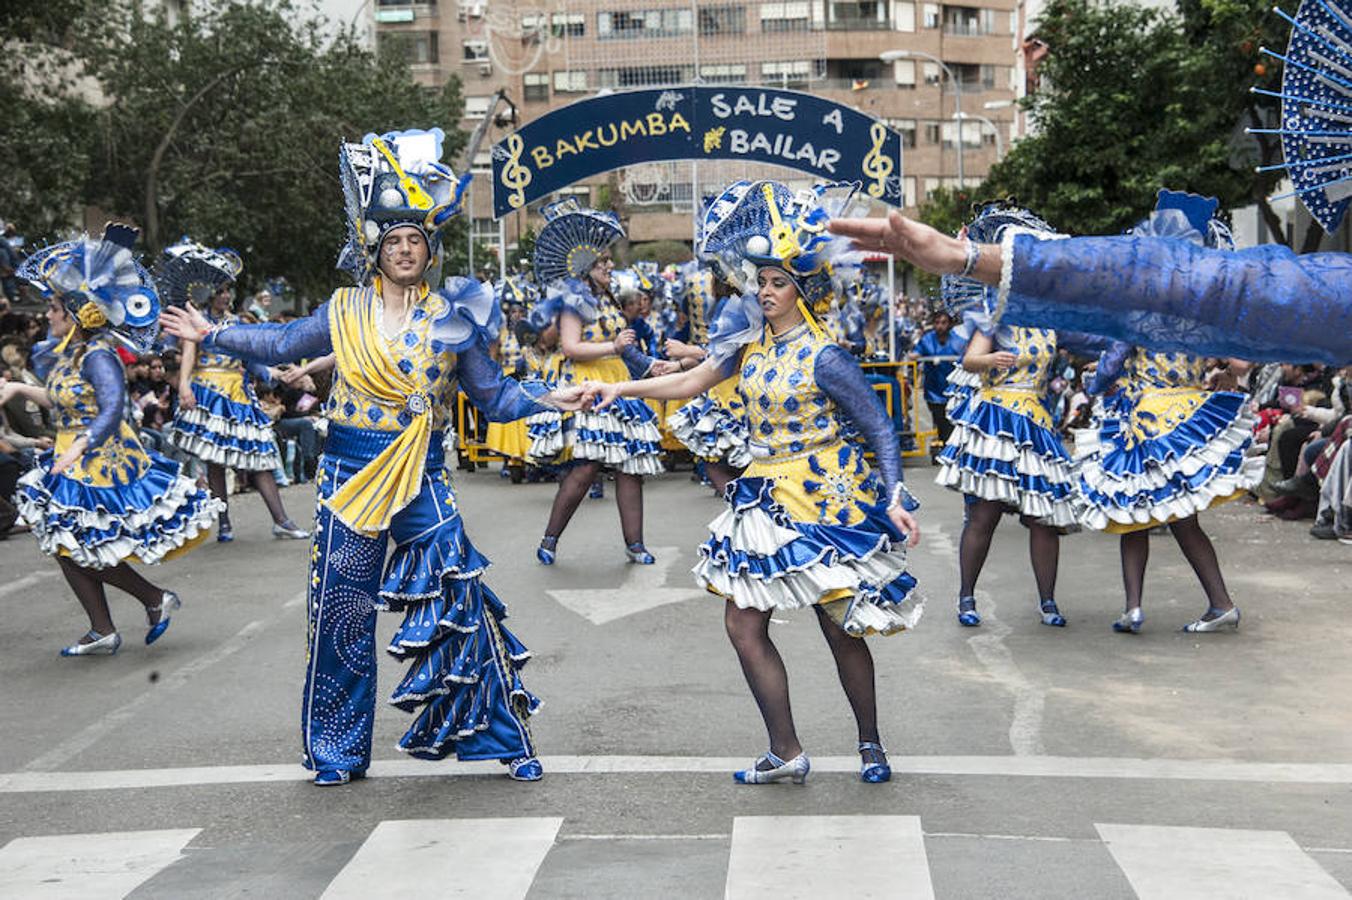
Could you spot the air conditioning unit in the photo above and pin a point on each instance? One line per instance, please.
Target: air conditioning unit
(485, 68)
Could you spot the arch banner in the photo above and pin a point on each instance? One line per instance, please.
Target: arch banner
(825, 139)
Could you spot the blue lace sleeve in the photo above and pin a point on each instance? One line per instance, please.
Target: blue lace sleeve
(1263, 304)
(500, 398)
(837, 373)
(636, 361)
(1082, 344)
(271, 343)
(103, 370)
(1111, 363)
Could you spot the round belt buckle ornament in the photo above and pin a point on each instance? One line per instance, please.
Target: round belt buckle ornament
(417, 403)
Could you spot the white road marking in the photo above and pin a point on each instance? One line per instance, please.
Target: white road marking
(27, 581)
(95, 731)
(1025, 727)
(88, 866)
(828, 856)
(938, 542)
(486, 859)
(644, 588)
(1219, 863)
(942, 766)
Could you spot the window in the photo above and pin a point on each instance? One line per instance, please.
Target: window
(643, 76)
(933, 74)
(581, 191)
(971, 133)
(475, 51)
(791, 16)
(907, 129)
(856, 14)
(908, 197)
(962, 20)
(796, 71)
(976, 77)
(722, 20)
(903, 70)
(732, 73)
(903, 15)
(931, 137)
(931, 185)
(570, 82)
(476, 107)
(536, 86)
(644, 23)
(931, 11)
(569, 24)
(418, 47)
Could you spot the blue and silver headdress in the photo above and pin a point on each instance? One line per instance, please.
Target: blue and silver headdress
(191, 272)
(395, 180)
(763, 223)
(572, 239)
(627, 283)
(1316, 110)
(1189, 217)
(993, 221)
(100, 284)
(515, 292)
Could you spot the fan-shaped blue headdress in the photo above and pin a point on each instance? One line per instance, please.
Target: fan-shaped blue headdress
(395, 180)
(763, 223)
(961, 294)
(191, 272)
(100, 284)
(572, 239)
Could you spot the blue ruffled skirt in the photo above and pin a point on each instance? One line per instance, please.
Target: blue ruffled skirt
(154, 514)
(789, 540)
(1144, 466)
(995, 453)
(463, 682)
(624, 436)
(237, 435)
(710, 431)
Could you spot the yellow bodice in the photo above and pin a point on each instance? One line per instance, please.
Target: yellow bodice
(607, 325)
(509, 350)
(211, 360)
(786, 412)
(1022, 387)
(1146, 369)
(121, 458)
(431, 372)
(1165, 390)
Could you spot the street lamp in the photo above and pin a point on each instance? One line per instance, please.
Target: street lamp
(894, 55)
(959, 117)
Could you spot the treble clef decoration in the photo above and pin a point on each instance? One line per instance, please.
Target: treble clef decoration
(877, 165)
(514, 175)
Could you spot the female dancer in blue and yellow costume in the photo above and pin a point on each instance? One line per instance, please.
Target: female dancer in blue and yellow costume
(1004, 452)
(401, 350)
(808, 523)
(99, 500)
(573, 266)
(1166, 448)
(219, 420)
(510, 438)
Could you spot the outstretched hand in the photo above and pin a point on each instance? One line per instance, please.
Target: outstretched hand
(184, 323)
(600, 395)
(568, 399)
(913, 241)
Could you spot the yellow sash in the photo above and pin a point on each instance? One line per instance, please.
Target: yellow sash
(368, 500)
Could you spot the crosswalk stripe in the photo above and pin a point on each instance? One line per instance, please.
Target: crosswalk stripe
(487, 859)
(88, 866)
(828, 856)
(1163, 862)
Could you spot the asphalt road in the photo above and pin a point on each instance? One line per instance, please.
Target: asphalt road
(1031, 761)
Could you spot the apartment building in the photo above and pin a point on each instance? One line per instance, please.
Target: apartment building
(547, 56)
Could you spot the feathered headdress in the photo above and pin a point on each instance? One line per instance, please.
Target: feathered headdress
(395, 180)
(763, 223)
(572, 239)
(191, 272)
(100, 284)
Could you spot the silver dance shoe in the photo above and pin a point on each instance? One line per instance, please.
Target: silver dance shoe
(795, 769)
(1224, 621)
(99, 645)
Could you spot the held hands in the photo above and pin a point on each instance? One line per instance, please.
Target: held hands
(664, 367)
(906, 524)
(1003, 359)
(626, 338)
(674, 347)
(71, 456)
(599, 395)
(568, 399)
(185, 323)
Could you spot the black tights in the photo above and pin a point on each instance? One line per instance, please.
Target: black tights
(265, 482)
(88, 586)
(749, 631)
(1044, 548)
(720, 474)
(574, 486)
(1198, 551)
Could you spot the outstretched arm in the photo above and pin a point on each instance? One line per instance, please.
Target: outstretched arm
(504, 399)
(267, 343)
(677, 386)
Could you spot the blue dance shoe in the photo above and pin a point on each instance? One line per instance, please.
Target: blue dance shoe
(598, 490)
(169, 604)
(874, 772)
(524, 768)
(1051, 615)
(967, 614)
(637, 553)
(224, 533)
(548, 550)
(99, 645)
(336, 777)
(796, 770)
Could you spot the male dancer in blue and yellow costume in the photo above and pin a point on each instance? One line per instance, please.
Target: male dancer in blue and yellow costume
(401, 349)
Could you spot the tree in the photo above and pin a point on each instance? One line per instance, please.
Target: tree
(226, 125)
(1131, 100)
